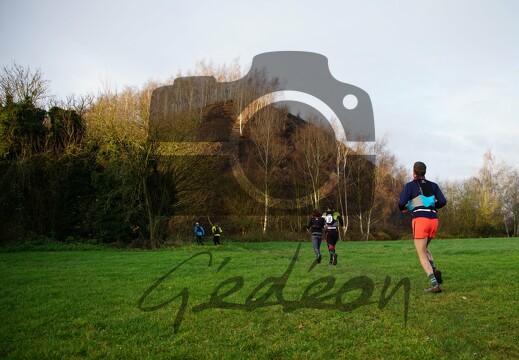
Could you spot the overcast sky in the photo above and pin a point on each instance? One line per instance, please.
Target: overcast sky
(443, 75)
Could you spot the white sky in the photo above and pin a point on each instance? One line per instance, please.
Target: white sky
(443, 75)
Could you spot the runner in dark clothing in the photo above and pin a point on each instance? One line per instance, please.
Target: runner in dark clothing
(332, 221)
(423, 198)
(316, 225)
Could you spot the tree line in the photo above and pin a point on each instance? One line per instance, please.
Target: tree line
(107, 168)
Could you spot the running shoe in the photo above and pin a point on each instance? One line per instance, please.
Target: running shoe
(434, 289)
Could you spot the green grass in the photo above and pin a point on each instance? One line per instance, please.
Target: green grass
(84, 304)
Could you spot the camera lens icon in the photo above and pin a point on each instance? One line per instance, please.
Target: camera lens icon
(298, 80)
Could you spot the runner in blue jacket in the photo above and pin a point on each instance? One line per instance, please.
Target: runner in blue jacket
(199, 234)
(423, 197)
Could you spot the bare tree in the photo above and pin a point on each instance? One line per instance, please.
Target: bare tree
(265, 130)
(383, 190)
(341, 165)
(483, 204)
(317, 149)
(371, 183)
(18, 83)
(489, 199)
(356, 182)
(508, 189)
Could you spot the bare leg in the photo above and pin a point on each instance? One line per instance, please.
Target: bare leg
(425, 260)
(429, 255)
(423, 253)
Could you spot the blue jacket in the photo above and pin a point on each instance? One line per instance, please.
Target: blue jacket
(199, 230)
(422, 197)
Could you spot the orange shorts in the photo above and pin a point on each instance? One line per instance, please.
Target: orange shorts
(424, 228)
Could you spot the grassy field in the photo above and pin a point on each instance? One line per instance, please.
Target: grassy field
(261, 300)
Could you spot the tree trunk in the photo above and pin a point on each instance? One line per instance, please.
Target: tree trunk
(368, 224)
(265, 218)
(149, 213)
